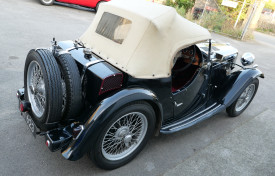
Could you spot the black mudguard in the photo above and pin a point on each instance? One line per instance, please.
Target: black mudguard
(236, 84)
(101, 115)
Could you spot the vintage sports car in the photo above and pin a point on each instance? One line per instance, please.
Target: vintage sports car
(139, 69)
(84, 3)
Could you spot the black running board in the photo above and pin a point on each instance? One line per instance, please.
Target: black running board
(193, 119)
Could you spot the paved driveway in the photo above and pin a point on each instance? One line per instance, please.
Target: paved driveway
(217, 146)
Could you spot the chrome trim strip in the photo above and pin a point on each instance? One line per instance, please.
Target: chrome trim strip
(63, 52)
(87, 65)
(92, 63)
(82, 129)
(72, 48)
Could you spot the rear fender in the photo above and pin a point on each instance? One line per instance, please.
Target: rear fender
(101, 115)
(238, 82)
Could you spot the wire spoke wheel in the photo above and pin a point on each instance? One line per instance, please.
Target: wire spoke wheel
(47, 2)
(245, 97)
(124, 136)
(36, 89)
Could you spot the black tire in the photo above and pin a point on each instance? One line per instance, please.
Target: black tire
(71, 77)
(52, 86)
(231, 110)
(47, 2)
(97, 5)
(96, 154)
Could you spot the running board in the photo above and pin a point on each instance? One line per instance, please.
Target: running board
(193, 119)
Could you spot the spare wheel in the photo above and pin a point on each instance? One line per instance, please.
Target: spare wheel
(42, 82)
(71, 87)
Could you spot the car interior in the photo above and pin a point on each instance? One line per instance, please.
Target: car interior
(186, 65)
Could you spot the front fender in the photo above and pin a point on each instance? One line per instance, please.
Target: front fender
(101, 115)
(238, 82)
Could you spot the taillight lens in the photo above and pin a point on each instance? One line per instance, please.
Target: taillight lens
(48, 143)
(111, 83)
(24, 106)
(77, 131)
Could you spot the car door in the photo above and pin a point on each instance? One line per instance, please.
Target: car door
(194, 94)
(66, 1)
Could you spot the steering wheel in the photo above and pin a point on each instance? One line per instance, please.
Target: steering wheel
(192, 60)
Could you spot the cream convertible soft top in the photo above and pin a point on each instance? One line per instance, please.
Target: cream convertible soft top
(156, 34)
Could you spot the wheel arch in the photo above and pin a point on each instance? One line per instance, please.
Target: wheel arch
(158, 114)
(238, 83)
(103, 111)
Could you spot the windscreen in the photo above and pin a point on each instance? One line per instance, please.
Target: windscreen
(113, 27)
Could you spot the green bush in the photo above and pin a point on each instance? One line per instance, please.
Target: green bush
(181, 11)
(186, 4)
(213, 21)
(169, 3)
(181, 4)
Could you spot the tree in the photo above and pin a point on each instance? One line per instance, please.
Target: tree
(270, 4)
(181, 4)
(233, 12)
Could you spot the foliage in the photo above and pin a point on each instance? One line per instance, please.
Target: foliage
(266, 24)
(181, 4)
(169, 3)
(234, 12)
(228, 29)
(189, 15)
(219, 23)
(213, 21)
(270, 4)
(181, 11)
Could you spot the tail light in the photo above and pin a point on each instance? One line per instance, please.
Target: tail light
(111, 83)
(77, 131)
(48, 143)
(24, 106)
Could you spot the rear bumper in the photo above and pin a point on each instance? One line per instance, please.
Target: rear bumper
(55, 139)
(59, 138)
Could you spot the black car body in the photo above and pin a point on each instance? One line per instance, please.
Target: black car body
(202, 83)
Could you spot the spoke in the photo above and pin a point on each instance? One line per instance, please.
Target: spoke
(127, 144)
(38, 102)
(42, 99)
(124, 136)
(113, 127)
(240, 102)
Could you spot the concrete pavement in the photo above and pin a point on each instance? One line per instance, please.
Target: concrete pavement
(247, 150)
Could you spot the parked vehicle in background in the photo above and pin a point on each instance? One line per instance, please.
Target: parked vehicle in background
(139, 69)
(85, 3)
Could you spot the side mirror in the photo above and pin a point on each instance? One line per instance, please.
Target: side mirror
(247, 59)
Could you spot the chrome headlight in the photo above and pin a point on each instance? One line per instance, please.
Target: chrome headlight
(247, 59)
